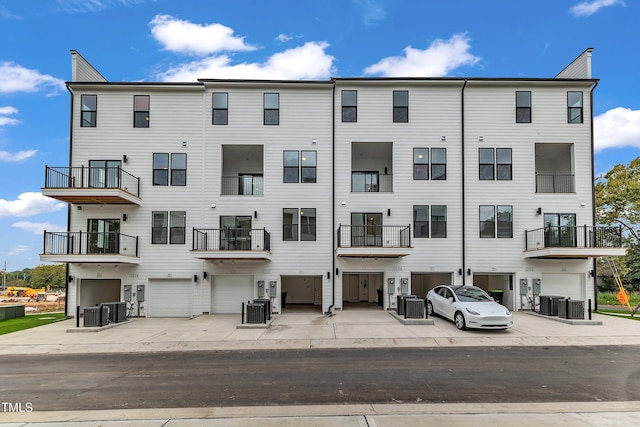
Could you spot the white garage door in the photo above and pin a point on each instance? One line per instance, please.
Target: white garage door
(170, 298)
(563, 285)
(229, 292)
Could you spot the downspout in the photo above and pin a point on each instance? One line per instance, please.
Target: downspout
(333, 198)
(593, 198)
(66, 271)
(464, 237)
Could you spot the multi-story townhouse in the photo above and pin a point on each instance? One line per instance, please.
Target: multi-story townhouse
(196, 197)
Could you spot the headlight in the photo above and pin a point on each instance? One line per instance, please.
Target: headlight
(475, 313)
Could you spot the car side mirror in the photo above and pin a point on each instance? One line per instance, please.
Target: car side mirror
(450, 299)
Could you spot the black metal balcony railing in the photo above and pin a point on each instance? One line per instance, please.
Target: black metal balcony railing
(379, 236)
(89, 243)
(555, 183)
(371, 182)
(243, 185)
(231, 239)
(574, 237)
(86, 177)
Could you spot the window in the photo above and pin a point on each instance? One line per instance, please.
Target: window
(178, 227)
(401, 106)
(350, 106)
(159, 227)
(220, 104)
(421, 221)
(291, 166)
(161, 231)
(178, 168)
(438, 163)
(103, 236)
(420, 163)
(523, 107)
(438, 221)
(89, 110)
(505, 221)
(308, 166)
(487, 222)
(305, 218)
(271, 108)
(495, 164)
(140, 111)
(574, 107)
(104, 173)
(364, 182)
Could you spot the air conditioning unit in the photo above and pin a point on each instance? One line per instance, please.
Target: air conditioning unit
(570, 309)
(117, 311)
(255, 313)
(96, 316)
(414, 308)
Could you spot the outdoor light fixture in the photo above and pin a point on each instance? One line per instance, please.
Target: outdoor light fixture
(184, 143)
(255, 214)
(468, 272)
(328, 275)
(204, 275)
(125, 217)
(213, 205)
(459, 272)
(195, 278)
(314, 141)
(481, 138)
(337, 271)
(343, 203)
(539, 211)
(388, 212)
(124, 158)
(591, 273)
(70, 279)
(443, 138)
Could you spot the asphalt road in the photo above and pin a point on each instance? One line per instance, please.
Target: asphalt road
(303, 377)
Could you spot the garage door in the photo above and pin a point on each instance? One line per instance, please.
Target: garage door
(229, 292)
(170, 298)
(564, 285)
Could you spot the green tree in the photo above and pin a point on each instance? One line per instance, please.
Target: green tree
(48, 275)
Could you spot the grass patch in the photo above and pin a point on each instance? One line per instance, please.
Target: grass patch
(609, 298)
(29, 321)
(620, 313)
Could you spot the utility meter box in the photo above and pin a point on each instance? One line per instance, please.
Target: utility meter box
(261, 290)
(391, 286)
(536, 286)
(404, 285)
(524, 285)
(127, 293)
(140, 293)
(273, 287)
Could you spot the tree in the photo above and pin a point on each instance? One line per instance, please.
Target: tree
(48, 275)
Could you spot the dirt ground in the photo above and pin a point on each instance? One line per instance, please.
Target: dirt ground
(39, 306)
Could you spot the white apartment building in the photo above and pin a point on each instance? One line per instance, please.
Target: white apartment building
(192, 198)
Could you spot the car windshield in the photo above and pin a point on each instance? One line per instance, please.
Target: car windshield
(469, 294)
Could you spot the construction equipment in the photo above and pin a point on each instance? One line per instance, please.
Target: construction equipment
(622, 295)
(23, 291)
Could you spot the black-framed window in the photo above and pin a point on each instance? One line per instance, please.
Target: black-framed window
(309, 164)
(349, 106)
(220, 113)
(487, 221)
(438, 164)
(89, 110)
(420, 163)
(159, 227)
(401, 106)
(271, 108)
(495, 164)
(505, 221)
(486, 163)
(438, 221)
(291, 166)
(178, 227)
(523, 107)
(503, 164)
(421, 221)
(298, 224)
(141, 111)
(299, 166)
(574, 107)
(172, 165)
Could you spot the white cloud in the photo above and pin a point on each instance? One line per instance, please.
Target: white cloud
(17, 250)
(15, 78)
(283, 38)
(373, 11)
(437, 60)
(38, 227)
(185, 37)
(79, 6)
(588, 8)
(307, 62)
(5, 111)
(618, 127)
(29, 204)
(5, 156)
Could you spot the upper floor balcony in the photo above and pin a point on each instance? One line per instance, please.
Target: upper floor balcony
(374, 241)
(554, 168)
(231, 243)
(90, 247)
(371, 167)
(580, 242)
(242, 170)
(92, 185)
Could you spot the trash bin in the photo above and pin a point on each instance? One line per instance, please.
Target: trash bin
(380, 297)
(283, 298)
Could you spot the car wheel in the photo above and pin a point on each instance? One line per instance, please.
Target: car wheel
(459, 320)
(430, 309)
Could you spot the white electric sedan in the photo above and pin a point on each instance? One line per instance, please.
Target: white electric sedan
(468, 307)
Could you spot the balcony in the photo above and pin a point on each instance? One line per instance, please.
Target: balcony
(232, 244)
(555, 183)
(371, 182)
(578, 242)
(88, 185)
(374, 241)
(82, 246)
(243, 185)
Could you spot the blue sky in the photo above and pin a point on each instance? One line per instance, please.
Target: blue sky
(169, 40)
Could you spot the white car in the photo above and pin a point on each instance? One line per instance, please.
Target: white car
(468, 307)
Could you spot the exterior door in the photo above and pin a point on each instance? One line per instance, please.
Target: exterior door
(103, 236)
(104, 173)
(366, 229)
(235, 233)
(560, 230)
